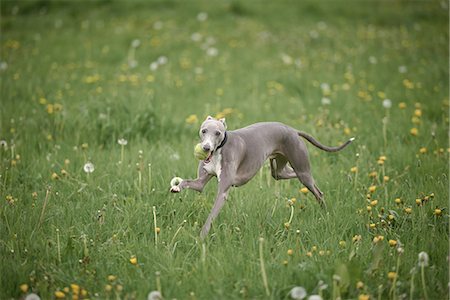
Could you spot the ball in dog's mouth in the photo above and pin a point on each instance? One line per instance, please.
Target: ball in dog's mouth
(208, 159)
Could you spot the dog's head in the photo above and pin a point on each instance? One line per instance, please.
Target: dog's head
(212, 133)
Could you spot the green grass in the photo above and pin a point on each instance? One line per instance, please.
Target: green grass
(274, 61)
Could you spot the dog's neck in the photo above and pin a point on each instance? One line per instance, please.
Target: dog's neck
(225, 137)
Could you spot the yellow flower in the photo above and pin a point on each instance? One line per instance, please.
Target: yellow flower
(360, 285)
(112, 277)
(398, 200)
(378, 238)
(84, 293)
(42, 101)
(290, 252)
(414, 131)
(49, 109)
(382, 157)
(391, 217)
(392, 243)
(408, 210)
(418, 201)
(369, 208)
(24, 287)
(108, 288)
(372, 188)
(342, 244)
(64, 172)
(372, 225)
(321, 253)
(314, 248)
(363, 297)
(309, 254)
(380, 162)
(287, 225)
(373, 174)
(392, 275)
(158, 230)
(304, 190)
(354, 170)
(373, 203)
(386, 178)
(192, 119)
(75, 288)
(84, 146)
(418, 113)
(438, 212)
(347, 131)
(60, 295)
(402, 105)
(133, 260)
(55, 176)
(423, 150)
(356, 238)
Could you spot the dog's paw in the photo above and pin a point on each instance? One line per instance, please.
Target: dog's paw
(175, 189)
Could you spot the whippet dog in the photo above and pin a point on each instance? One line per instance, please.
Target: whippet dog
(234, 157)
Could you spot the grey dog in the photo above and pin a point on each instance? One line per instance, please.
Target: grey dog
(234, 157)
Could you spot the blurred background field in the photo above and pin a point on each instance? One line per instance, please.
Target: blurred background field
(78, 76)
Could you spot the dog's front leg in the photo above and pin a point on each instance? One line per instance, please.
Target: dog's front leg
(195, 184)
(222, 194)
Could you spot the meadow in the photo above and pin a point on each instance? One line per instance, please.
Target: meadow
(101, 102)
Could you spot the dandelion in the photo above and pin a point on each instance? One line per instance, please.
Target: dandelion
(360, 285)
(437, 212)
(133, 260)
(372, 189)
(392, 275)
(24, 287)
(290, 252)
(423, 150)
(154, 295)
(392, 243)
(298, 292)
(192, 119)
(112, 277)
(32, 296)
(354, 170)
(55, 176)
(423, 262)
(363, 297)
(398, 201)
(3, 144)
(373, 203)
(356, 238)
(315, 297)
(88, 167)
(325, 101)
(135, 43)
(304, 190)
(212, 51)
(342, 244)
(202, 17)
(387, 103)
(408, 210)
(60, 295)
(402, 105)
(373, 174)
(414, 131)
(402, 69)
(108, 288)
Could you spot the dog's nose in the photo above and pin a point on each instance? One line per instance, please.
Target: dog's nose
(206, 147)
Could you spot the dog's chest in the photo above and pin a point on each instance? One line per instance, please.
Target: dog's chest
(214, 167)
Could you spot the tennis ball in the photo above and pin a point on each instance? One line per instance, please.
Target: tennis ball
(199, 153)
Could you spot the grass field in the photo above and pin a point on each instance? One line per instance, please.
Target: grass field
(78, 76)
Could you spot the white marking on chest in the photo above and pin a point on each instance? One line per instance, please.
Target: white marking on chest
(214, 167)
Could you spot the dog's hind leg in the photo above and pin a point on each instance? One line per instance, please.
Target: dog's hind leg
(280, 169)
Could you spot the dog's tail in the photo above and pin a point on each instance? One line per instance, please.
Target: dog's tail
(323, 147)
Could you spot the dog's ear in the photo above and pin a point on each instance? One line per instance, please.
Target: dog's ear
(223, 122)
(209, 118)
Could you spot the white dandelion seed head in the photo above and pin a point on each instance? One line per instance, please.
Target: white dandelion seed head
(162, 60)
(132, 63)
(196, 37)
(314, 297)
(423, 259)
(135, 43)
(3, 144)
(402, 69)
(202, 16)
(287, 60)
(88, 167)
(313, 34)
(3, 65)
(32, 296)
(298, 293)
(326, 101)
(154, 295)
(154, 66)
(158, 25)
(122, 141)
(212, 51)
(387, 103)
(325, 86)
(373, 60)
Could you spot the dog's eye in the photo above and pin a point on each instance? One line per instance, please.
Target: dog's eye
(203, 131)
(217, 133)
